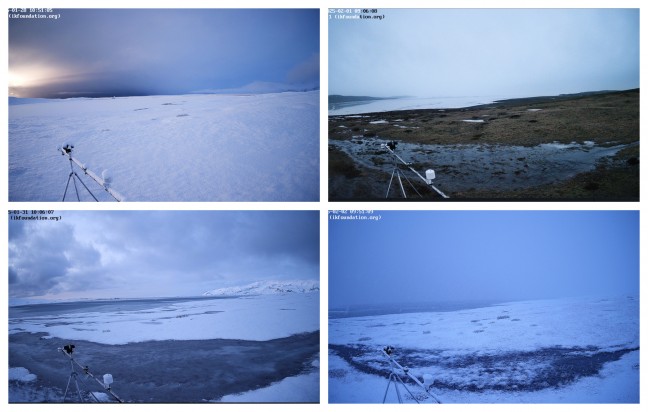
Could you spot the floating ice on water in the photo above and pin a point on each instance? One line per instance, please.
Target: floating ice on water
(21, 374)
(474, 121)
(379, 122)
(267, 316)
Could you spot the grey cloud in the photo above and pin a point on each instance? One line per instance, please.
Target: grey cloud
(161, 252)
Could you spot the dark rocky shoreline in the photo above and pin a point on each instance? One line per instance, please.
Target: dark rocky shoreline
(173, 371)
(551, 367)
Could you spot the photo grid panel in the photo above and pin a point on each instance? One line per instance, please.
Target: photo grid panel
(483, 307)
(164, 306)
(114, 300)
(428, 108)
(221, 240)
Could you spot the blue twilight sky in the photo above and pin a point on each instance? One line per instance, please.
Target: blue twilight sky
(108, 254)
(445, 256)
(106, 52)
(484, 52)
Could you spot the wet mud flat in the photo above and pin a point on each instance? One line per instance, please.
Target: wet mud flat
(514, 371)
(568, 147)
(163, 371)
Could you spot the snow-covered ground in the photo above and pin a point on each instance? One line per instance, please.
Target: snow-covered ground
(578, 350)
(255, 147)
(304, 388)
(259, 318)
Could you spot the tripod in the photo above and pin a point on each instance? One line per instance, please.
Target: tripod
(429, 174)
(75, 376)
(396, 379)
(104, 182)
(74, 176)
(399, 175)
(105, 385)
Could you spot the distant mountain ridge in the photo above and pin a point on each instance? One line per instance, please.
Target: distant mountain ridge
(268, 287)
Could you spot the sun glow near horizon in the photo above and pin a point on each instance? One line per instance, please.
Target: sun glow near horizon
(22, 80)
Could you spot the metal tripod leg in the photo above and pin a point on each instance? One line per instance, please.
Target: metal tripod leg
(74, 375)
(71, 176)
(74, 178)
(390, 182)
(396, 172)
(393, 377)
(86, 187)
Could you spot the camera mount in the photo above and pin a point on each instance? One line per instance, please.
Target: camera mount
(398, 161)
(67, 350)
(396, 370)
(66, 150)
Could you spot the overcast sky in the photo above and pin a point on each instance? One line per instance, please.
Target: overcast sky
(482, 52)
(442, 256)
(106, 52)
(106, 254)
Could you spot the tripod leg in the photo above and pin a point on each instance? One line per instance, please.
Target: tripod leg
(75, 188)
(400, 399)
(86, 187)
(387, 390)
(78, 389)
(67, 387)
(400, 182)
(407, 389)
(390, 182)
(66, 186)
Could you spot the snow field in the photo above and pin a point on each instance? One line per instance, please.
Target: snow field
(508, 327)
(171, 148)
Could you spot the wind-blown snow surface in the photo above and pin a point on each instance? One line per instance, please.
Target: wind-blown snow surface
(261, 147)
(267, 288)
(553, 351)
